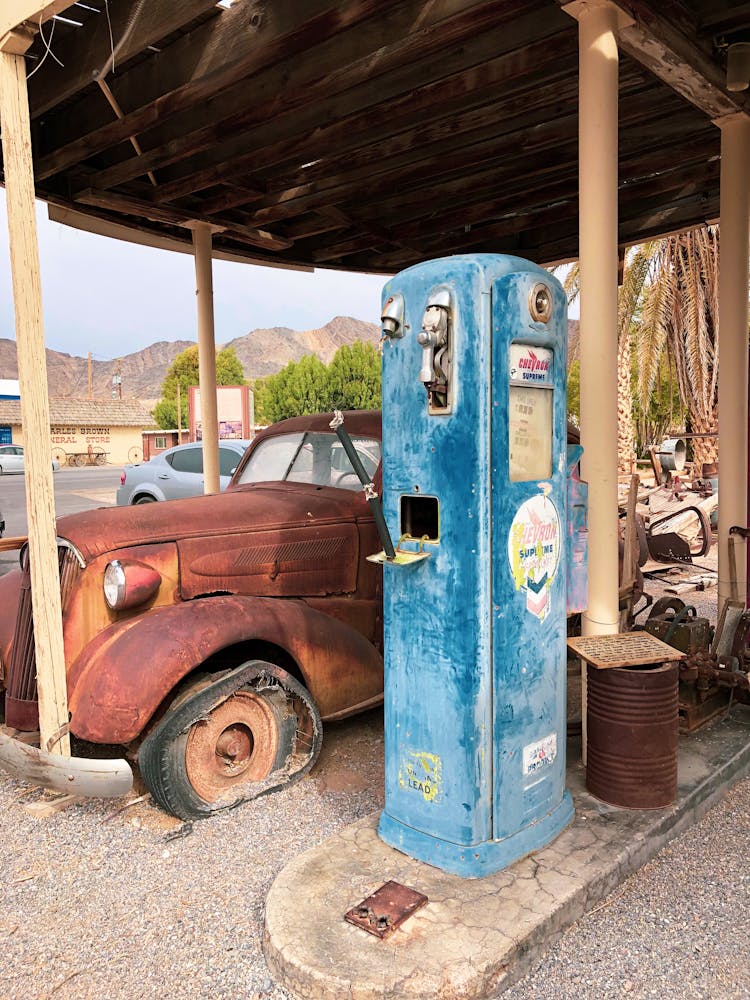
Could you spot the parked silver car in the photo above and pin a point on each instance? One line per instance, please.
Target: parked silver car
(176, 472)
(11, 460)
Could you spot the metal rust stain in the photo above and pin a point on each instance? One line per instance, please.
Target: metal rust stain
(118, 689)
(386, 909)
(292, 561)
(225, 561)
(632, 718)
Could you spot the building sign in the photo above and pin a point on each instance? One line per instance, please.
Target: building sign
(530, 365)
(234, 405)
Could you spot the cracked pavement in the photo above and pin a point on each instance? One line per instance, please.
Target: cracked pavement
(476, 937)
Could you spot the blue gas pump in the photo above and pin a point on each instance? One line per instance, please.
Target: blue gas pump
(475, 477)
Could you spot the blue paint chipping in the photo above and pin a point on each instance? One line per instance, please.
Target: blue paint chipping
(475, 634)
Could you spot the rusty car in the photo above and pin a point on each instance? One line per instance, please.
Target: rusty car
(209, 637)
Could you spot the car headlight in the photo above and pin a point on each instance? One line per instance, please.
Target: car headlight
(128, 584)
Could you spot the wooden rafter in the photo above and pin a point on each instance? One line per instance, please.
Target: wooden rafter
(13, 13)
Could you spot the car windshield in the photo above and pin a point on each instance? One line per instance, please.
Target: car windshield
(310, 457)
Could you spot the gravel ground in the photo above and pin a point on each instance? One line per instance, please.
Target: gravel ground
(96, 905)
(93, 907)
(676, 929)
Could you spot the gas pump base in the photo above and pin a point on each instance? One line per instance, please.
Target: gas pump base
(474, 861)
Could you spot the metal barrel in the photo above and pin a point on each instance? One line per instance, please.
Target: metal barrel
(672, 454)
(632, 718)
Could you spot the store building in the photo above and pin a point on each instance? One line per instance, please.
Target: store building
(85, 431)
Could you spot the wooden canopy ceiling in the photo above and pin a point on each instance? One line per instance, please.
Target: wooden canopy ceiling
(370, 134)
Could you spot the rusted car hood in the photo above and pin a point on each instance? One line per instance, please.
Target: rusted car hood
(258, 507)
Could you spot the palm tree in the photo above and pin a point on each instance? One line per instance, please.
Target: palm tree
(668, 305)
(680, 317)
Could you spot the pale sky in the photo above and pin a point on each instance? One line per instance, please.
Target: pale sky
(113, 298)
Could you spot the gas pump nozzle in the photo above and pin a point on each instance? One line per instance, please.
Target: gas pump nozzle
(434, 339)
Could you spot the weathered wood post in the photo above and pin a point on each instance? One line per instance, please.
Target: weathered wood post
(32, 371)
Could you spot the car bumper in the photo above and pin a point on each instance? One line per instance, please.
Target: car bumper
(75, 775)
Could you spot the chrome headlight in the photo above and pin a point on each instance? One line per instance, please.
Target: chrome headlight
(128, 584)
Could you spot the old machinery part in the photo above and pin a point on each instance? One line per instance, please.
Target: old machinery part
(251, 732)
(677, 624)
(386, 909)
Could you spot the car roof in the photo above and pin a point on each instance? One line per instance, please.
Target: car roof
(359, 422)
(238, 444)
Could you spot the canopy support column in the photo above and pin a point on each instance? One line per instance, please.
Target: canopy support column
(597, 187)
(734, 261)
(202, 245)
(32, 372)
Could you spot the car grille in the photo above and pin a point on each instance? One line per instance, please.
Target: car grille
(21, 698)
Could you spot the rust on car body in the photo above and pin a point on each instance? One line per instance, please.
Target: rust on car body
(114, 688)
(274, 570)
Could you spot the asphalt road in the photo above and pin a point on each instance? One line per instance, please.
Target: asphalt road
(75, 490)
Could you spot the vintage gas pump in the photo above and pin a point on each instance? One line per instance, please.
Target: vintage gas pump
(475, 470)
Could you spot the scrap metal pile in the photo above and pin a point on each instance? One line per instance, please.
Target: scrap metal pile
(716, 668)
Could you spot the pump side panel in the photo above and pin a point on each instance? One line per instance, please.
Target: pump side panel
(529, 568)
(438, 696)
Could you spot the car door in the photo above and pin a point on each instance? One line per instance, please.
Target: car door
(11, 459)
(183, 475)
(229, 459)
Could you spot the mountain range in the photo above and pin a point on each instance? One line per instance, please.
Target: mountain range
(261, 352)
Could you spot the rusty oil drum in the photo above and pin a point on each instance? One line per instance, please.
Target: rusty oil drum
(633, 719)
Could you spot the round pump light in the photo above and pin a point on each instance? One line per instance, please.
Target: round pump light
(540, 303)
(129, 584)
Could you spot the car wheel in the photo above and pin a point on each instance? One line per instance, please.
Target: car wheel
(1, 470)
(247, 734)
(144, 499)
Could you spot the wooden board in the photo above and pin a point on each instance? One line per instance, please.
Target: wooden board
(624, 649)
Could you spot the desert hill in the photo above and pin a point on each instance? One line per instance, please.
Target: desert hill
(262, 352)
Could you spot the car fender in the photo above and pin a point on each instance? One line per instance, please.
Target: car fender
(123, 676)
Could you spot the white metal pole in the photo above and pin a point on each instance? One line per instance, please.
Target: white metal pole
(598, 73)
(734, 261)
(598, 101)
(202, 240)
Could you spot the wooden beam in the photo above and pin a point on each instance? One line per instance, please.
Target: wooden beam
(670, 51)
(355, 112)
(13, 13)
(178, 217)
(90, 52)
(280, 112)
(142, 233)
(32, 371)
(279, 33)
(410, 156)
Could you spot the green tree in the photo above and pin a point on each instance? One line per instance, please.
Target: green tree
(301, 387)
(350, 382)
(354, 380)
(183, 372)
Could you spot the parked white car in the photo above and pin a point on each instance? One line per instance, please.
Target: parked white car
(11, 460)
(176, 472)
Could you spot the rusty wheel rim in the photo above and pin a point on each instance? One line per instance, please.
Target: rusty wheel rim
(237, 743)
